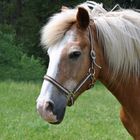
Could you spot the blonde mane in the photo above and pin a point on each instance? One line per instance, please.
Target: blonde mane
(119, 32)
(56, 28)
(120, 36)
(59, 23)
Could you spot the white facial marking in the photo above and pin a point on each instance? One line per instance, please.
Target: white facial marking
(55, 53)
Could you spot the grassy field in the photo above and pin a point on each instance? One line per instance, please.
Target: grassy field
(95, 116)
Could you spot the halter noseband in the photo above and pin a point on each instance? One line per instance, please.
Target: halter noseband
(90, 75)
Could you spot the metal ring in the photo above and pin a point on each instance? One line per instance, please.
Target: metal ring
(92, 54)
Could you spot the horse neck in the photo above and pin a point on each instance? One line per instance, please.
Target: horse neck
(120, 86)
(123, 89)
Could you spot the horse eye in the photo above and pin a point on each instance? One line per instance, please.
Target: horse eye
(74, 54)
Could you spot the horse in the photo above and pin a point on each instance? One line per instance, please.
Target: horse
(86, 44)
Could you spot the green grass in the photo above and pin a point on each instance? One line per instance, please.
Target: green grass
(95, 116)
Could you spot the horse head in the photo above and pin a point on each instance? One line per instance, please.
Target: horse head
(72, 66)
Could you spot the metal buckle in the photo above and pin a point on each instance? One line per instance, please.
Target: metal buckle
(70, 98)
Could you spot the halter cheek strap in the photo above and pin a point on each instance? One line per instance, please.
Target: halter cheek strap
(70, 95)
(90, 76)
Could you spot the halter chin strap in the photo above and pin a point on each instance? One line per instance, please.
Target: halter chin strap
(90, 76)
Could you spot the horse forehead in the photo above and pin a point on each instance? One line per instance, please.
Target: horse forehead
(59, 46)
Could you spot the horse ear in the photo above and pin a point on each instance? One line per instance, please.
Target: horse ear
(82, 18)
(64, 8)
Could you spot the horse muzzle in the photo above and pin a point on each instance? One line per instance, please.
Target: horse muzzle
(50, 113)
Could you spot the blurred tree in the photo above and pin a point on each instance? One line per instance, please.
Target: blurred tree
(137, 4)
(128, 3)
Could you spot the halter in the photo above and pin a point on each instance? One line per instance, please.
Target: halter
(90, 75)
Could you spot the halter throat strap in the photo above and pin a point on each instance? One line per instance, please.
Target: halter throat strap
(70, 95)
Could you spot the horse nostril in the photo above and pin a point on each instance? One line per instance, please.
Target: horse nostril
(49, 106)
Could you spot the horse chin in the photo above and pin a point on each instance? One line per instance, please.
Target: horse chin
(60, 117)
(55, 123)
(52, 117)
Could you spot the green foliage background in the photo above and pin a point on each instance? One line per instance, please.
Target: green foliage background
(14, 64)
(21, 57)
